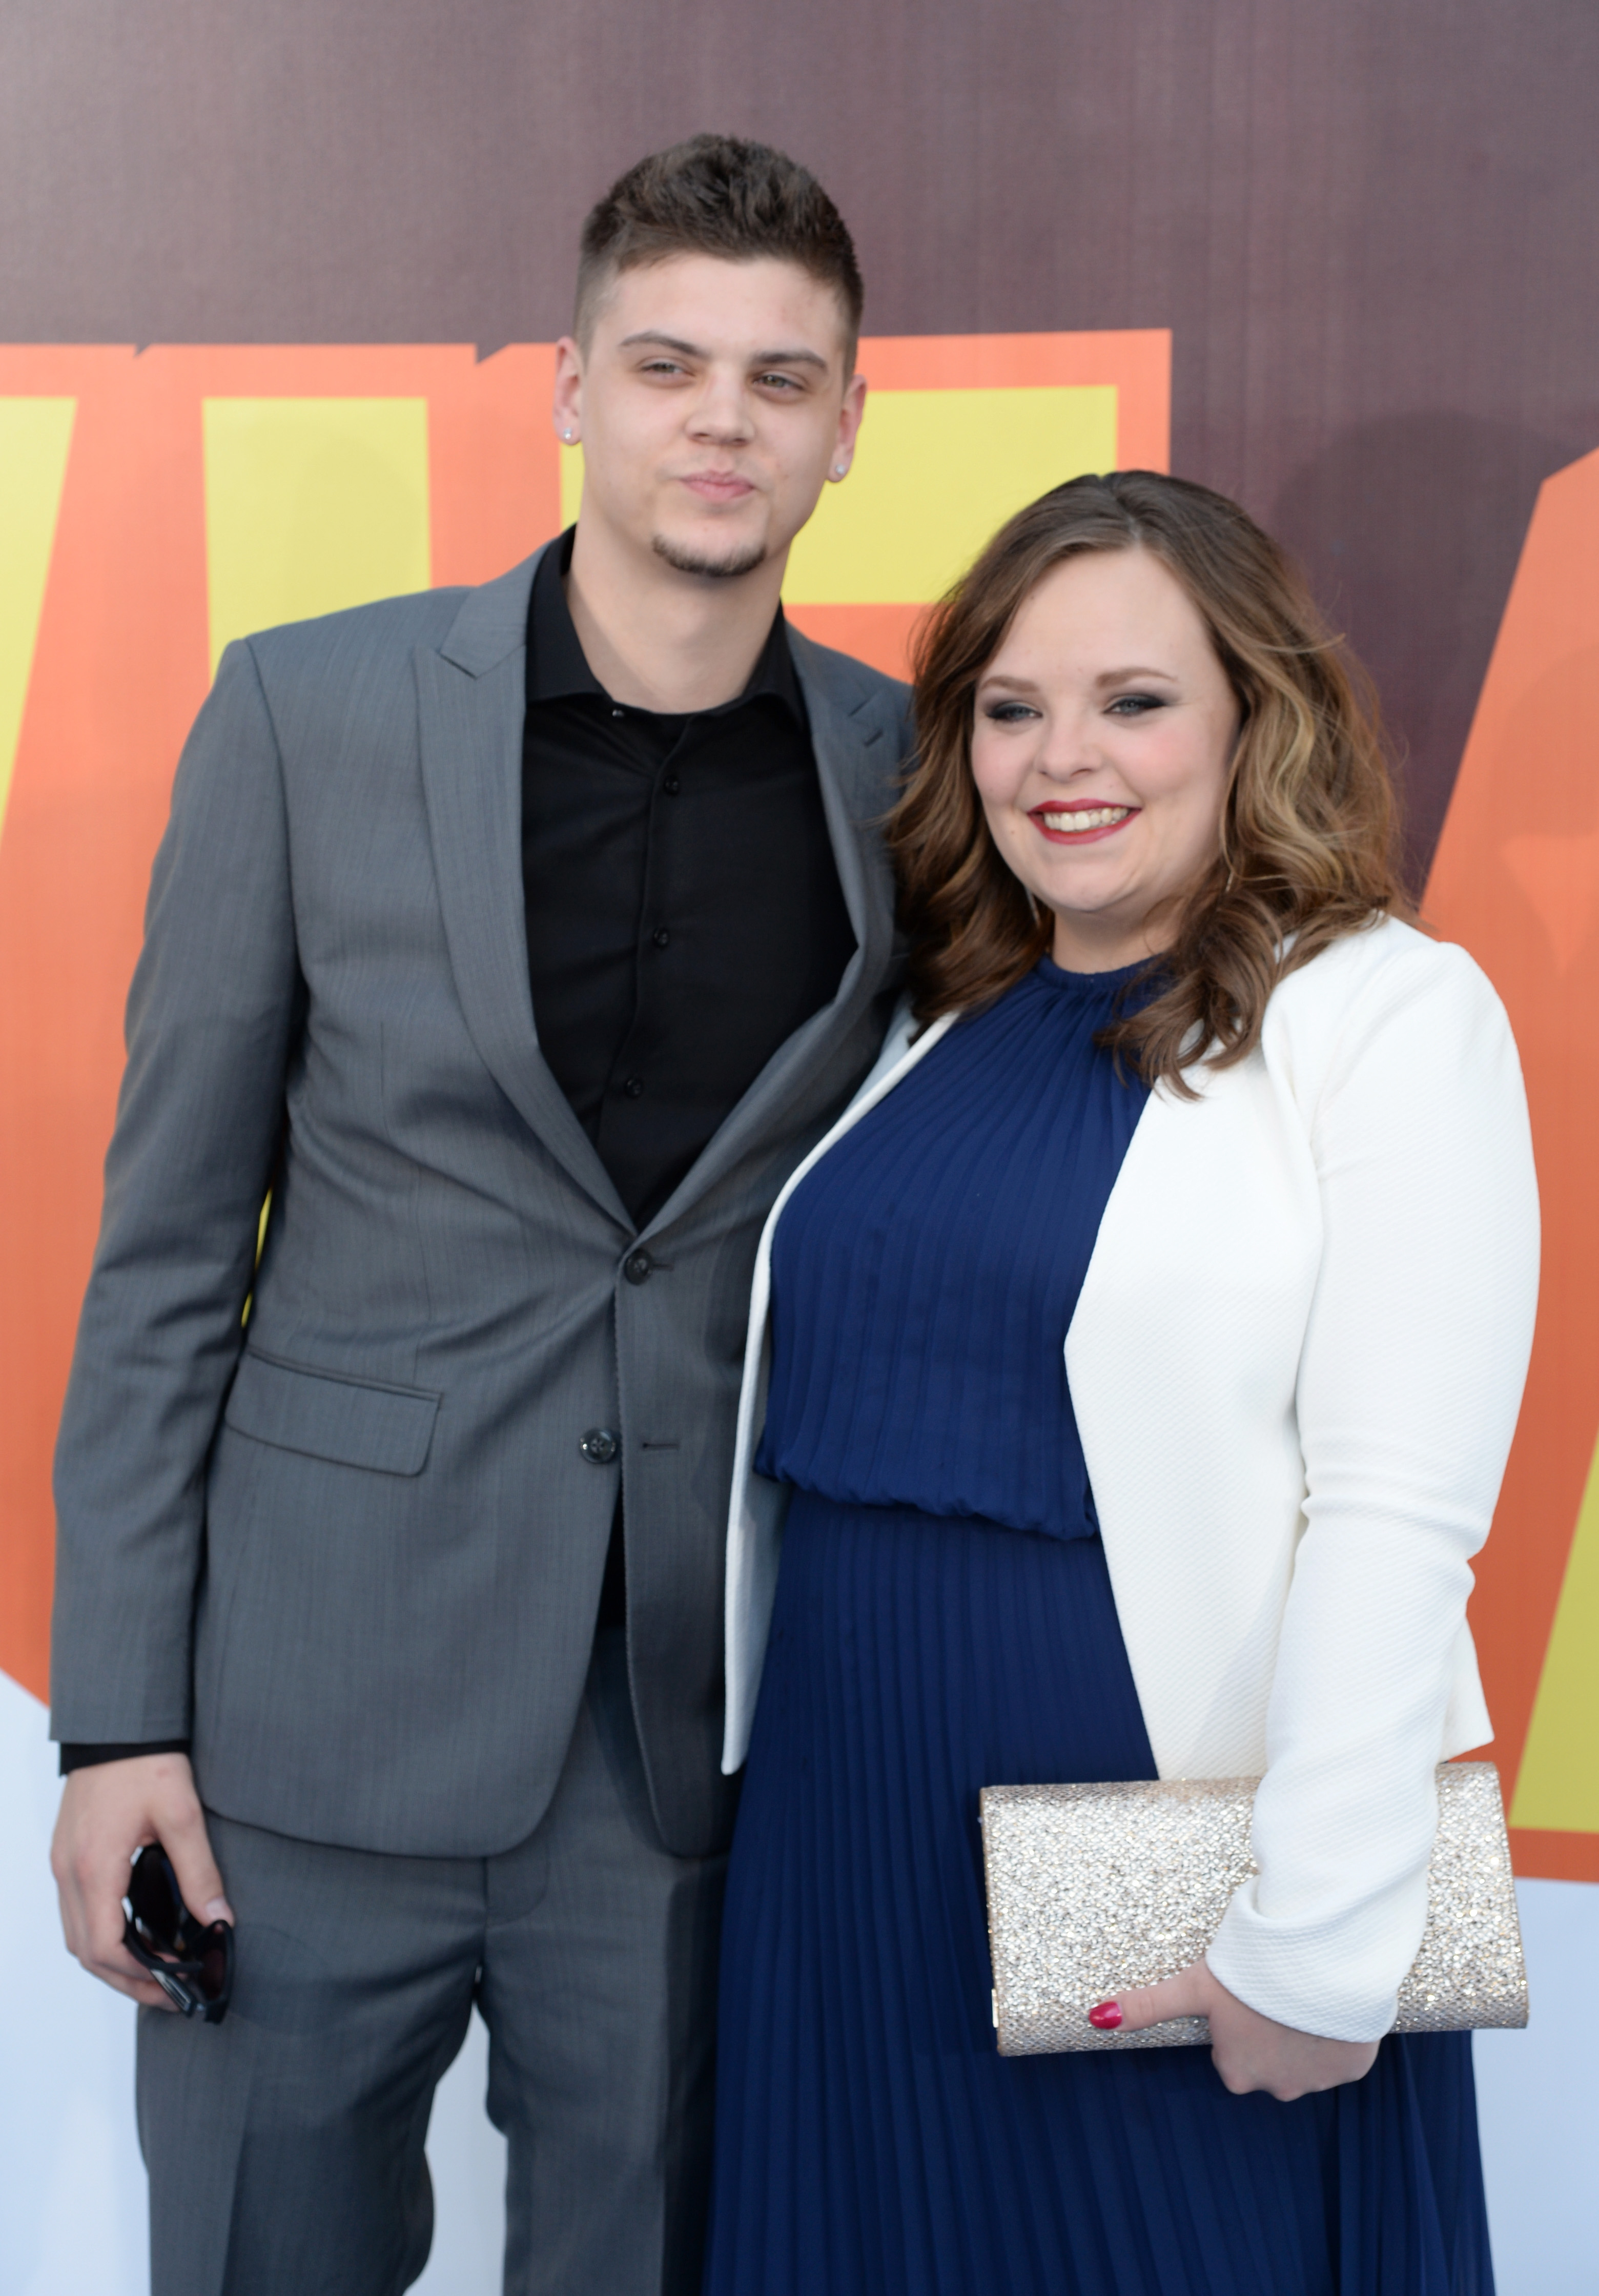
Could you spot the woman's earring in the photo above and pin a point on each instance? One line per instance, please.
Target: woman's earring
(568, 437)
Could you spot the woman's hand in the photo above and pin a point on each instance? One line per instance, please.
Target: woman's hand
(1248, 2050)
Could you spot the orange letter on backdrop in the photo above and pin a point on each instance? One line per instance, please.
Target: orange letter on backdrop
(1516, 879)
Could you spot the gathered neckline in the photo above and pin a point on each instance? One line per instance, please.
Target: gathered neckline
(1055, 976)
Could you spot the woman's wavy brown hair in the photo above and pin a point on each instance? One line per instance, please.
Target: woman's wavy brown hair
(1307, 847)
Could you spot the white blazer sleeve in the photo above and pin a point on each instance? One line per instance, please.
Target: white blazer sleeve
(1407, 1395)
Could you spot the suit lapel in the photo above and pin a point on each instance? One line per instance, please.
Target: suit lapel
(853, 739)
(853, 765)
(471, 704)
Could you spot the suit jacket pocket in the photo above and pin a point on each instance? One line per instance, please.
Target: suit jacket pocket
(354, 1422)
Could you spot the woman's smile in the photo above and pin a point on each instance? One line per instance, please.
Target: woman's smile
(1080, 824)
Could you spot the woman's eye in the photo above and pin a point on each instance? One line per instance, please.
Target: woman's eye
(1008, 713)
(1134, 705)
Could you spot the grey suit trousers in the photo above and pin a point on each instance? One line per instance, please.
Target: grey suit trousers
(285, 2146)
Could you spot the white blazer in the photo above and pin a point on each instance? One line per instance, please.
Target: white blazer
(1296, 1364)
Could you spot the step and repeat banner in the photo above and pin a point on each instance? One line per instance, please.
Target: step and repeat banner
(278, 292)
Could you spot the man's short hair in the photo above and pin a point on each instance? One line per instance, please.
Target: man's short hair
(716, 195)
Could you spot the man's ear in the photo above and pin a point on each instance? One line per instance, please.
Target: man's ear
(567, 407)
(849, 422)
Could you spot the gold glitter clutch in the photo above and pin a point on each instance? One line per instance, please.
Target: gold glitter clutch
(1095, 1889)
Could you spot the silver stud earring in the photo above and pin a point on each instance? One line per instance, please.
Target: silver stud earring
(839, 469)
(568, 437)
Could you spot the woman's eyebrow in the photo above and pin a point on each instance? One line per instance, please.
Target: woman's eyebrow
(1106, 677)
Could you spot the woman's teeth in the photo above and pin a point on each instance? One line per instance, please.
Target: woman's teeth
(1100, 816)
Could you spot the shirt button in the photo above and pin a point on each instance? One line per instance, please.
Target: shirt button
(672, 784)
(600, 1446)
(638, 1268)
(661, 937)
(618, 713)
(634, 1087)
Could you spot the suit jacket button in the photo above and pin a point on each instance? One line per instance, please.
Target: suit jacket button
(600, 1446)
(638, 1268)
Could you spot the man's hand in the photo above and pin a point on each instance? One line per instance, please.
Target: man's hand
(109, 1811)
(1248, 2050)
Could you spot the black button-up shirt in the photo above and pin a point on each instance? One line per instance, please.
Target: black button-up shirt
(683, 910)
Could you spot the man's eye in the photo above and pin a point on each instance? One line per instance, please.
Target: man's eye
(777, 383)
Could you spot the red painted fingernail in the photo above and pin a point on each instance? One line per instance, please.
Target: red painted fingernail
(1107, 2016)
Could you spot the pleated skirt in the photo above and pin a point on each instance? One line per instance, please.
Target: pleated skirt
(870, 2139)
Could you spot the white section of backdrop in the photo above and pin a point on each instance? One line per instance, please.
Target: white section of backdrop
(72, 2189)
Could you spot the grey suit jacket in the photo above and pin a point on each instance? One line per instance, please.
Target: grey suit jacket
(354, 1548)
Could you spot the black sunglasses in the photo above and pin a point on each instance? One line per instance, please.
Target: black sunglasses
(192, 1961)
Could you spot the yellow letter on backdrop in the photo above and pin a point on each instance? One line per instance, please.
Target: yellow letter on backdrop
(35, 436)
(312, 505)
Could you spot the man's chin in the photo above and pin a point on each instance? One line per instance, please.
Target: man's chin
(718, 562)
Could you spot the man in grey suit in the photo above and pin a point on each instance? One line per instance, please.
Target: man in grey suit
(518, 941)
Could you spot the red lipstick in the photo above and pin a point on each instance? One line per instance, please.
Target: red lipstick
(1093, 815)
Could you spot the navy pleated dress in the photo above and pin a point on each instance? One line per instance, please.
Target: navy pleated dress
(944, 1621)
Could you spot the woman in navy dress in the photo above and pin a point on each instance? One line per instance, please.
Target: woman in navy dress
(1087, 1355)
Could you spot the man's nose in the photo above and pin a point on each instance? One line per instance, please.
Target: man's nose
(723, 411)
